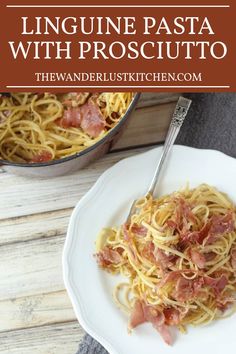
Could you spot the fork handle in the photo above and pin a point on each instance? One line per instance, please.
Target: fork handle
(177, 120)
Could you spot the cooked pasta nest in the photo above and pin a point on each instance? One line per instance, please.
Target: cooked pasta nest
(178, 255)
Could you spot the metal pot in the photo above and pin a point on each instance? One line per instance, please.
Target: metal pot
(74, 162)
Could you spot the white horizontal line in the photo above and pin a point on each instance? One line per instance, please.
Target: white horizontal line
(98, 87)
(133, 6)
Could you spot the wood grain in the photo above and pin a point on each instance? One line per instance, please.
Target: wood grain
(25, 196)
(61, 338)
(147, 126)
(151, 98)
(32, 227)
(31, 268)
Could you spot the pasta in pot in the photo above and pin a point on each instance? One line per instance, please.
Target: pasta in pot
(179, 255)
(44, 127)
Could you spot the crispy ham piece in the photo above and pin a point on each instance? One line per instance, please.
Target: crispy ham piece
(223, 303)
(93, 122)
(72, 118)
(216, 226)
(197, 258)
(125, 229)
(222, 224)
(184, 210)
(185, 286)
(137, 315)
(135, 229)
(144, 313)
(196, 236)
(171, 224)
(139, 230)
(158, 256)
(209, 256)
(184, 290)
(107, 256)
(165, 333)
(129, 239)
(75, 99)
(172, 316)
(42, 156)
(183, 214)
(169, 277)
(148, 250)
(217, 284)
(219, 226)
(165, 261)
(88, 117)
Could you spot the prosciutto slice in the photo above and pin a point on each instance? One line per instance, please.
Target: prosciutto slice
(88, 117)
(139, 230)
(74, 99)
(217, 225)
(172, 316)
(198, 258)
(183, 214)
(72, 118)
(165, 333)
(148, 250)
(137, 315)
(217, 284)
(93, 122)
(185, 210)
(197, 236)
(184, 290)
(145, 313)
(163, 259)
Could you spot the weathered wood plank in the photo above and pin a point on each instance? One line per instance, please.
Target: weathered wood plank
(147, 126)
(31, 268)
(153, 98)
(34, 267)
(61, 338)
(32, 227)
(24, 196)
(34, 311)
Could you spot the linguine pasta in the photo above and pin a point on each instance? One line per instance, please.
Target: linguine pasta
(41, 127)
(178, 255)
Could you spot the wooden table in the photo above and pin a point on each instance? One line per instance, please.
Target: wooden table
(36, 316)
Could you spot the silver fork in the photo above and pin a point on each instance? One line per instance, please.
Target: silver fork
(177, 120)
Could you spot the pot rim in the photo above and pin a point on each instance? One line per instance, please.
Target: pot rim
(85, 151)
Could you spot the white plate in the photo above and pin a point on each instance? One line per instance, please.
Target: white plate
(107, 204)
